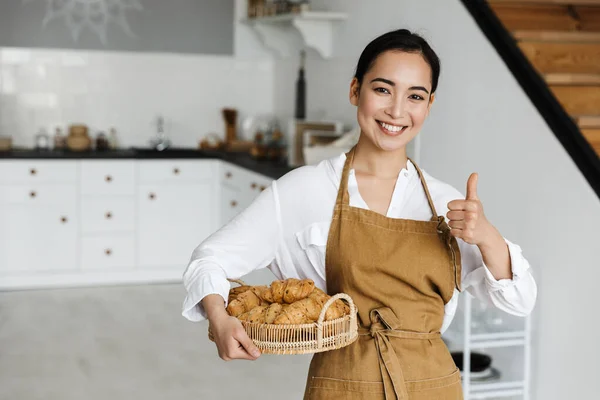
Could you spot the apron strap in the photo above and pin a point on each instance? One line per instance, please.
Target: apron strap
(343, 196)
(381, 330)
(424, 184)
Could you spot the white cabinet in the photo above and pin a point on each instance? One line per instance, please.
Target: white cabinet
(108, 178)
(81, 222)
(39, 238)
(172, 221)
(108, 252)
(106, 215)
(39, 224)
(239, 188)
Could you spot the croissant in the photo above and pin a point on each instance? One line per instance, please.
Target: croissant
(336, 310)
(288, 291)
(273, 311)
(243, 303)
(308, 310)
(256, 315)
(236, 291)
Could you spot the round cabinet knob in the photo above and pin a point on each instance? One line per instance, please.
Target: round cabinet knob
(253, 185)
(262, 188)
(151, 196)
(176, 171)
(108, 215)
(228, 175)
(108, 252)
(32, 171)
(64, 220)
(233, 203)
(108, 178)
(32, 194)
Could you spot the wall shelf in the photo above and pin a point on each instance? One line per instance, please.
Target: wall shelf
(279, 32)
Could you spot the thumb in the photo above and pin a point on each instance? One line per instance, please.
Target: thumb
(248, 344)
(472, 187)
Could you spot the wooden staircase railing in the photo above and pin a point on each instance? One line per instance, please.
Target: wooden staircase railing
(552, 47)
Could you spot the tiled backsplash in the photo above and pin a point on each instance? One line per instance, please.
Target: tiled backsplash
(127, 91)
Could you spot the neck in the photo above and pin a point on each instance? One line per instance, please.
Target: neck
(371, 160)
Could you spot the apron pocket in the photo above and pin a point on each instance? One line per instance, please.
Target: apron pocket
(330, 389)
(445, 388)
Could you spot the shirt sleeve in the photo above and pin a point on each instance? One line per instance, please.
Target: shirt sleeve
(515, 296)
(247, 243)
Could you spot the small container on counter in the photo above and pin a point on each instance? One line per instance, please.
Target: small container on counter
(113, 142)
(42, 140)
(102, 142)
(60, 140)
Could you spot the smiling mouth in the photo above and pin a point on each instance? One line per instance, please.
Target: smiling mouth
(390, 129)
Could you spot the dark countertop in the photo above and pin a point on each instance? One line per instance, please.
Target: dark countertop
(271, 169)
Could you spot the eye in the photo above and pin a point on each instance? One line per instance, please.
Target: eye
(416, 97)
(382, 90)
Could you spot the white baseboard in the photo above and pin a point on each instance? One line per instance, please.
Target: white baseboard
(45, 280)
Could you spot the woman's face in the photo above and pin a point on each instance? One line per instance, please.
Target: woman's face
(394, 99)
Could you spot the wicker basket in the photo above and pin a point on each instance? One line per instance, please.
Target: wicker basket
(304, 338)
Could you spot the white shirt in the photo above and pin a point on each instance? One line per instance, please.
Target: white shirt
(286, 229)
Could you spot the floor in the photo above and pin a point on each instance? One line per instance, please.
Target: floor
(123, 343)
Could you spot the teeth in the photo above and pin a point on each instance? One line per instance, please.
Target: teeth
(392, 128)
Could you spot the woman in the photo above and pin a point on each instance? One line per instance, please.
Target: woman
(367, 224)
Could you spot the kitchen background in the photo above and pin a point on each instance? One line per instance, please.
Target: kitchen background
(189, 60)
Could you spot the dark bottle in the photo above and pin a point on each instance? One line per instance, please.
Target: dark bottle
(301, 90)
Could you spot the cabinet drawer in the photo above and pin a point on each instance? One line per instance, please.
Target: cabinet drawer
(59, 195)
(176, 171)
(107, 214)
(243, 179)
(107, 252)
(108, 178)
(38, 171)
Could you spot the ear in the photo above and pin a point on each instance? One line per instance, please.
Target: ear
(431, 100)
(354, 91)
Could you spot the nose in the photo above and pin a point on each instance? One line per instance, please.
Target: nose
(396, 108)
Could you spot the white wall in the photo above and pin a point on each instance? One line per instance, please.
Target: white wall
(49, 88)
(482, 121)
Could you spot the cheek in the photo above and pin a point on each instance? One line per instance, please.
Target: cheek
(368, 104)
(418, 114)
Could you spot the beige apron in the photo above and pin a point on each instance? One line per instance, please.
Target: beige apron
(400, 274)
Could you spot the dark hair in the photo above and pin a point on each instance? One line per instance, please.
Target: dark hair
(401, 40)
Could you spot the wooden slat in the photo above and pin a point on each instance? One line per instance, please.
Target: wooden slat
(573, 79)
(578, 100)
(581, 58)
(563, 2)
(535, 17)
(593, 137)
(589, 18)
(558, 36)
(589, 122)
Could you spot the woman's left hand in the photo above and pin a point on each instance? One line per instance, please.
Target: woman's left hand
(466, 218)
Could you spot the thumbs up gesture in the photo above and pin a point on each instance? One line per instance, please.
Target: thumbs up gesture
(466, 218)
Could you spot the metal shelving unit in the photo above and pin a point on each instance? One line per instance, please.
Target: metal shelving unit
(509, 345)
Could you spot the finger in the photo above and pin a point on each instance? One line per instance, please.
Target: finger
(456, 215)
(457, 205)
(457, 224)
(464, 205)
(457, 233)
(239, 353)
(472, 187)
(247, 343)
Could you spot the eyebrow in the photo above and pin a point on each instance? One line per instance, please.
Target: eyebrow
(391, 83)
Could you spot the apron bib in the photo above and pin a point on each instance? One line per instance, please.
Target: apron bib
(400, 274)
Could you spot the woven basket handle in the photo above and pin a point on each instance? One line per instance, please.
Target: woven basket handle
(329, 302)
(238, 281)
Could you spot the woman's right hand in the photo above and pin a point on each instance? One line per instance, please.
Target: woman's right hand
(230, 337)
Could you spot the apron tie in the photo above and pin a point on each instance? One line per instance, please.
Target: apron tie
(391, 371)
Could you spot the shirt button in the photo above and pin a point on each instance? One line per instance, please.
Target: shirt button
(406, 174)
